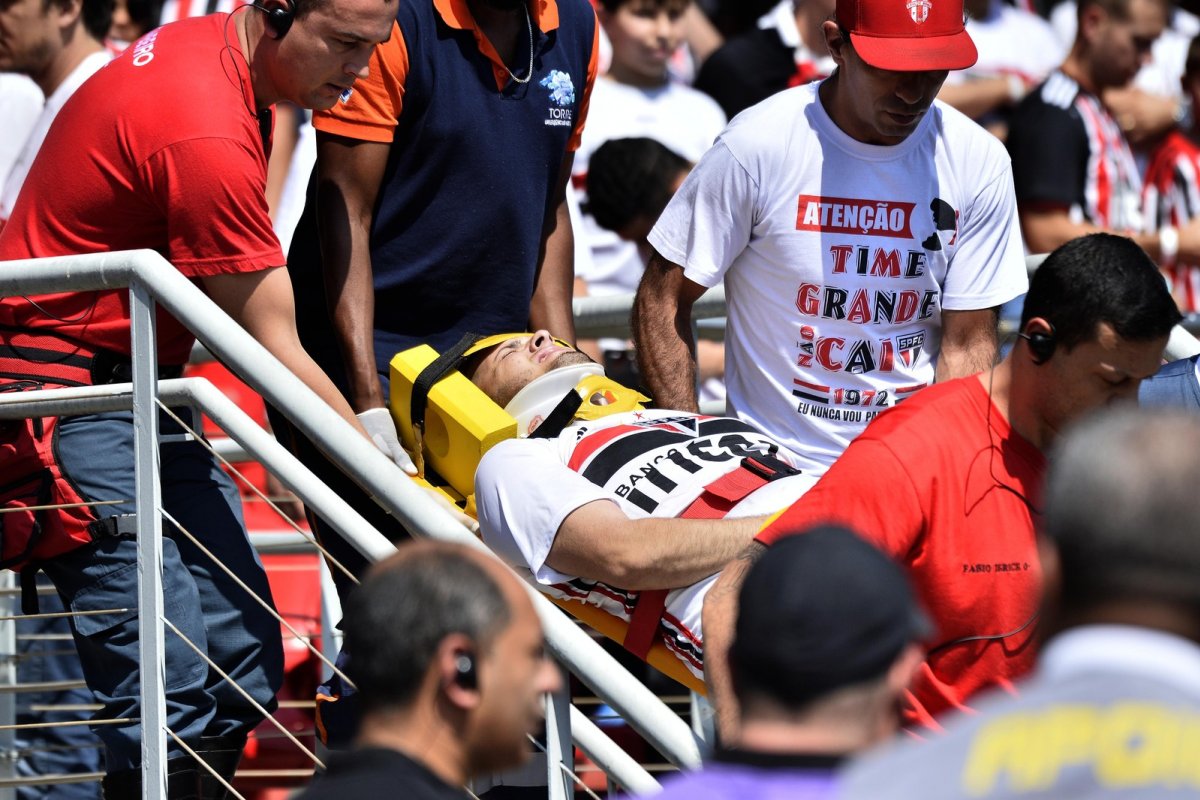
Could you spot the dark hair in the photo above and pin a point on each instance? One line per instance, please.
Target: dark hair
(1191, 66)
(1118, 9)
(303, 8)
(612, 5)
(144, 14)
(395, 620)
(96, 15)
(823, 610)
(1100, 278)
(628, 178)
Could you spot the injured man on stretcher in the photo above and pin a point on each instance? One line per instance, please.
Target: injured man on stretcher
(620, 502)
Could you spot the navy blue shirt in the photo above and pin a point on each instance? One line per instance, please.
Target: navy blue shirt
(470, 177)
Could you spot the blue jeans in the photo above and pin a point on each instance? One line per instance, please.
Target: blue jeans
(96, 453)
(53, 751)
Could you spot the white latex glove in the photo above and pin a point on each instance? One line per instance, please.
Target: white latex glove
(467, 522)
(382, 430)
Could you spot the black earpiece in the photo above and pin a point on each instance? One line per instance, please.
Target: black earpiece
(1042, 345)
(464, 671)
(279, 19)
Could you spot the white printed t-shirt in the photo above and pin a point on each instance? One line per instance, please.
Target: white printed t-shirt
(838, 258)
(683, 119)
(651, 464)
(85, 69)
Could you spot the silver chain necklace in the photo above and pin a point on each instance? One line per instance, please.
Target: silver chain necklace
(529, 72)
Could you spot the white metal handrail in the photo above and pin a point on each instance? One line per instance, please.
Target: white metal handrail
(365, 464)
(199, 393)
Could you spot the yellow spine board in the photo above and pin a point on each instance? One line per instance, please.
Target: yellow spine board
(616, 628)
(461, 422)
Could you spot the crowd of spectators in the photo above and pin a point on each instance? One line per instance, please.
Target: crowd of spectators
(863, 177)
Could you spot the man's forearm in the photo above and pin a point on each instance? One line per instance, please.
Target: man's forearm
(550, 307)
(262, 303)
(1046, 231)
(679, 552)
(597, 541)
(718, 618)
(969, 345)
(353, 313)
(348, 178)
(662, 334)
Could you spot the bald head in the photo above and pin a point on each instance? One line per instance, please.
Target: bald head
(408, 603)
(1121, 508)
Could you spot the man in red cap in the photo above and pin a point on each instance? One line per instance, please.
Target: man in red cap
(865, 236)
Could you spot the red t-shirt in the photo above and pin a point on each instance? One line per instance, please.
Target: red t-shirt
(158, 150)
(945, 486)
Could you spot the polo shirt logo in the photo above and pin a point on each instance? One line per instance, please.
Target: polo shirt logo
(562, 97)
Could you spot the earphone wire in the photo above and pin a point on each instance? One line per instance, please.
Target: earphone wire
(992, 447)
(236, 80)
(80, 317)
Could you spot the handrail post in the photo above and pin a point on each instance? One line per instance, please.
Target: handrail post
(8, 700)
(559, 749)
(151, 651)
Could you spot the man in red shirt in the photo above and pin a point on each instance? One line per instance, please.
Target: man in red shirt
(166, 148)
(948, 482)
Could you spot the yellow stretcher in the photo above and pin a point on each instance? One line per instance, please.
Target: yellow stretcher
(461, 424)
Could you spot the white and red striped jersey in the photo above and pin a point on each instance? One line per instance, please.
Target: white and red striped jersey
(1171, 197)
(1068, 150)
(651, 464)
(174, 10)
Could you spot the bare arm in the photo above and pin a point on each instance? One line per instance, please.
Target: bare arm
(701, 35)
(710, 356)
(552, 291)
(1143, 116)
(662, 334)
(1047, 227)
(597, 541)
(262, 303)
(977, 97)
(283, 145)
(718, 618)
(348, 177)
(969, 343)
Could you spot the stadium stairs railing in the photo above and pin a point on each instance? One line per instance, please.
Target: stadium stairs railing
(151, 280)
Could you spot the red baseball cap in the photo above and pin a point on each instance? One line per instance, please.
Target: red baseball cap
(908, 35)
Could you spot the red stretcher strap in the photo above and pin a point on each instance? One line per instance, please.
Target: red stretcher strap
(717, 499)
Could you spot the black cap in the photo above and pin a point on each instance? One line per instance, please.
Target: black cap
(821, 610)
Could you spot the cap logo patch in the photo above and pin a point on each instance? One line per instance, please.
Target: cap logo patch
(919, 10)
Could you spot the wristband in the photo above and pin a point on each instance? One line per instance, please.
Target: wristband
(1016, 87)
(1168, 244)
